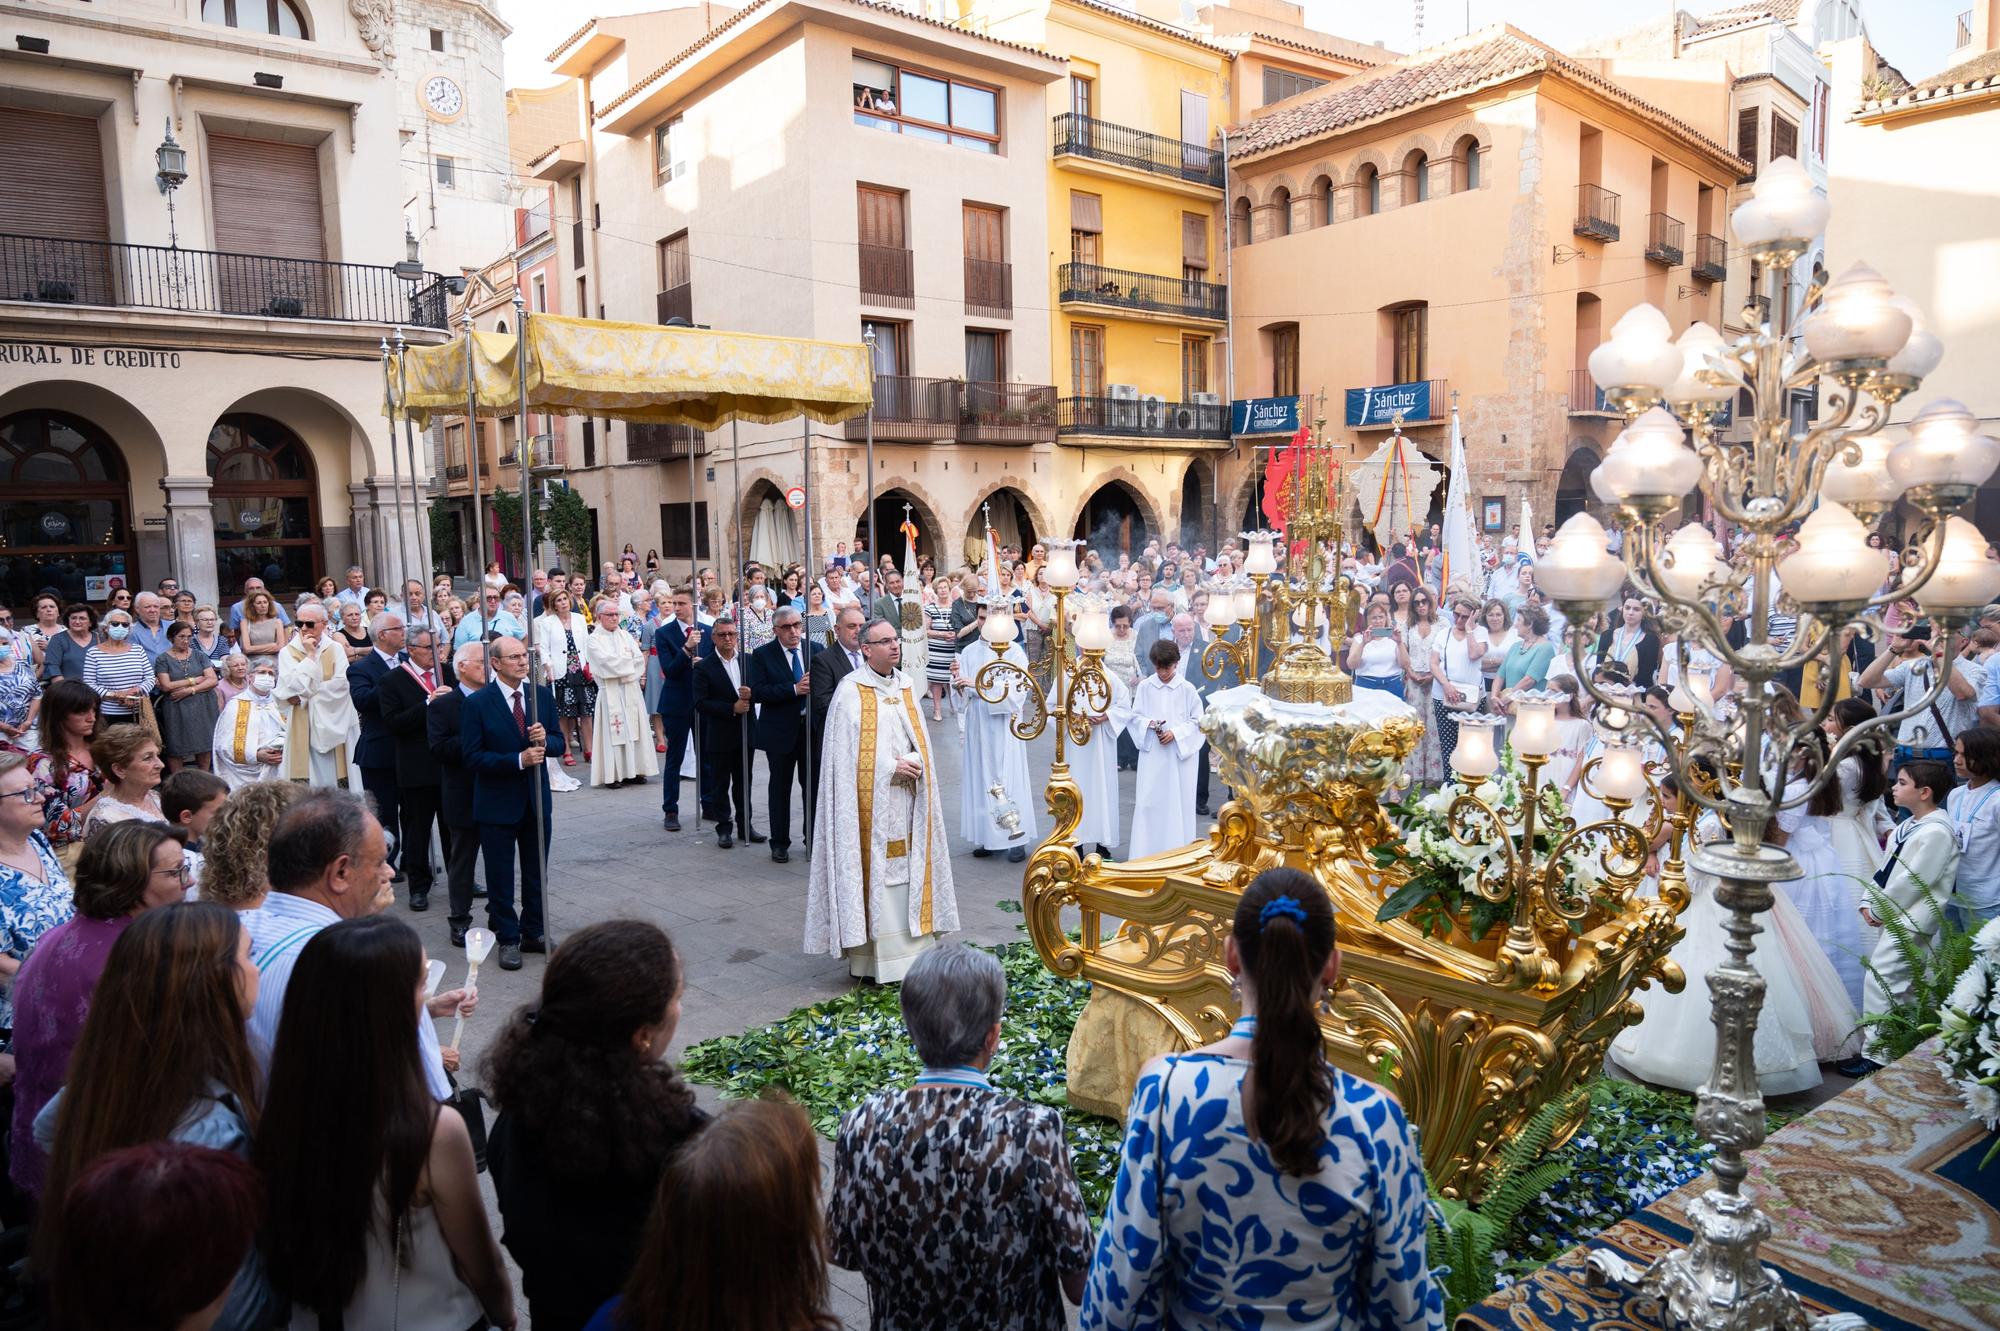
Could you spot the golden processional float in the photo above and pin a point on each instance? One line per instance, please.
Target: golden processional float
(1473, 1036)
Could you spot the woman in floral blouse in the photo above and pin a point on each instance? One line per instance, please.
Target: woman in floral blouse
(67, 773)
(34, 890)
(1301, 1206)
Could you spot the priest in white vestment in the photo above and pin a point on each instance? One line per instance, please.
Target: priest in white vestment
(1166, 725)
(1094, 766)
(880, 887)
(249, 743)
(321, 725)
(994, 756)
(621, 731)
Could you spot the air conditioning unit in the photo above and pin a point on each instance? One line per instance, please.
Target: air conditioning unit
(1208, 399)
(1184, 418)
(1152, 412)
(1124, 413)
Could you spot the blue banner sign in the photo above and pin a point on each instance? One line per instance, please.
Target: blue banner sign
(1382, 404)
(1264, 415)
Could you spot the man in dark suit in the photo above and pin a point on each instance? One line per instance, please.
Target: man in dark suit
(676, 644)
(779, 683)
(722, 700)
(443, 721)
(375, 753)
(829, 667)
(504, 752)
(405, 695)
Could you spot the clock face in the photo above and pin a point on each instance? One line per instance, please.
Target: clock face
(442, 97)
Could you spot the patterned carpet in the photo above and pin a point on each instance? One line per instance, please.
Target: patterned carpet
(1877, 1204)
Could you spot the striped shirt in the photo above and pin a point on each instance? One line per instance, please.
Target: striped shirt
(108, 672)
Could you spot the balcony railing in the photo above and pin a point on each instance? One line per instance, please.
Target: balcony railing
(1961, 36)
(510, 456)
(1144, 418)
(989, 288)
(1586, 398)
(1090, 284)
(658, 443)
(918, 409)
(1711, 258)
(1665, 237)
(48, 271)
(1101, 141)
(888, 277)
(675, 303)
(455, 471)
(1596, 213)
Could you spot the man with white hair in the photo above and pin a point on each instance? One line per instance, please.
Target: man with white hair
(249, 743)
(320, 722)
(1154, 625)
(375, 752)
(149, 630)
(1505, 580)
(356, 590)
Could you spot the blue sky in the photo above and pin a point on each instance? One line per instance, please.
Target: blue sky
(1914, 35)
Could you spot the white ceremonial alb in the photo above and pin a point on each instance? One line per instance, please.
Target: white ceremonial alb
(321, 723)
(993, 756)
(621, 731)
(247, 723)
(880, 888)
(1163, 816)
(1094, 764)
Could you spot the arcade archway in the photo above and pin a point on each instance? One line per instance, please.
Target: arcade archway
(265, 502)
(1573, 486)
(1013, 524)
(1113, 522)
(65, 511)
(890, 514)
(1199, 515)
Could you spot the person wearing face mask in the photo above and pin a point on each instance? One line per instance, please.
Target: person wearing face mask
(120, 671)
(249, 743)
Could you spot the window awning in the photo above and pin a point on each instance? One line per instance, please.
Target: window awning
(642, 372)
(1086, 212)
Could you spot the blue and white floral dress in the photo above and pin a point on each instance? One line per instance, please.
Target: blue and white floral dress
(1206, 1233)
(29, 908)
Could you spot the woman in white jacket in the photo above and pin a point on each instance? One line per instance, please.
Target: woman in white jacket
(560, 637)
(622, 733)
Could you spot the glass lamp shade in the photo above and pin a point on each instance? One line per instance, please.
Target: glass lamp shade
(998, 628)
(1093, 629)
(1621, 773)
(1921, 354)
(1693, 557)
(1783, 206)
(1535, 724)
(1701, 346)
(1260, 558)
(1833, 564)
(1640, 354)
(1866, 483)
(1244, 605)
(1965, 579)
(1060, 569)
(171, 160)
(1657, 463)
(1475, 755)
(1221, 610)
(1578, 569)
(1857, 319)
(1944, 448)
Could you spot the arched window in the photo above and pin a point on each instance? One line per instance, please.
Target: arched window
(65, 508)
(1322, 201)
(1281, 204)
(264, 502)
(1417, 171)
(1239, 222)
(1367, 192)
(1465, 162)
(273, 18)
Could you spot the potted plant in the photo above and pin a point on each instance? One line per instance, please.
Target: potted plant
(284, 307)
(55, 291)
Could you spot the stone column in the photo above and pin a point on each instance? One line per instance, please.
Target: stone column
(191, 535)
(367, 545)
(399, 525)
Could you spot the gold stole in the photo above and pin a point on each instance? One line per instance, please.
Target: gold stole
(242, 732)
(866, 802)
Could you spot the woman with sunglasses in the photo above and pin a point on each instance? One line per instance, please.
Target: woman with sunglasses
(34, 890)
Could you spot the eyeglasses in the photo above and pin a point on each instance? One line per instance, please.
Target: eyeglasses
(34, 794)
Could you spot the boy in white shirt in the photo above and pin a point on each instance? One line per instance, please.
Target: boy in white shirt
(1917, 878)
(1975, 818)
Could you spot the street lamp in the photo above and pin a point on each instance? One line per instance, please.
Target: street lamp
(171, 160)
(411, 269)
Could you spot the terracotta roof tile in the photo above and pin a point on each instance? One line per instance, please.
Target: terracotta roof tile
(1980, 74)
(1375, 56)
(1784, 11)
(1140, 20)
(1484, 59)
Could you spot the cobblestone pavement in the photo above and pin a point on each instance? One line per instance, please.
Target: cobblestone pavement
(736, 917)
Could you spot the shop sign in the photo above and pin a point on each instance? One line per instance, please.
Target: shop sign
(1382, 404)
(113, 358)
(1264, 415)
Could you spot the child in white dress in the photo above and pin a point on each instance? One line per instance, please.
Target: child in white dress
(1828, 897)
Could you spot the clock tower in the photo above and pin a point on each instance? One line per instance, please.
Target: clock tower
(452, 122)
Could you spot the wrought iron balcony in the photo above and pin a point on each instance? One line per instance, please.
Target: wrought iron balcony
(1586, 398)
(888, 276)
(919, 409)
(658, 443)
(1596, 213)
(1711, 258)
(989, 288)
(1664, 239)
(1144, 418)
(1090, 284)
(455, 471)
(1156, 154)
(49, 271)
(675, 303)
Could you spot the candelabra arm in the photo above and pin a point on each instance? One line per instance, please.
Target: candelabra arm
(1466, 818)
(1220, 654)
(1852, 738)
(998, 678)
(1626, 841)
(1907, 586)
(1086, 697)
(1668, 739)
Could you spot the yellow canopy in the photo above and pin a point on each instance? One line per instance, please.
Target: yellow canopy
(643, 372)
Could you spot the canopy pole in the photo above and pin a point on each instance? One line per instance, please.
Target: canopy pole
(694, 532)
(472, 471)
(874, 551)
(423, 536)
(736, 477)
(523, 455)
(396, 477)
(805, 610)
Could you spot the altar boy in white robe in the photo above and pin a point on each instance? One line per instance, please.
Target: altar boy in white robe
(1166, 725)
(1094, 764)
(993, 755)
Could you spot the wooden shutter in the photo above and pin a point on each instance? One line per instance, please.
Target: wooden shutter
(267, 210)
(1746, 136)
(1784, 138)
(55, 188)
(881, 216)
(1194, 240)
(982, 234)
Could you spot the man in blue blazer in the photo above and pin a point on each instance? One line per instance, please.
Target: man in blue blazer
(504, 753)
(375, 752)
(780, 677)
(676, 645)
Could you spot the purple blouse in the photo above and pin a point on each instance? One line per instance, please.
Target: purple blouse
(51, 998)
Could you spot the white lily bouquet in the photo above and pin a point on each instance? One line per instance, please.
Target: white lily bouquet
(1438, 894)
(1969, 1032)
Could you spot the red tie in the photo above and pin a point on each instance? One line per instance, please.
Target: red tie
(428, 686)
(520, 717)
